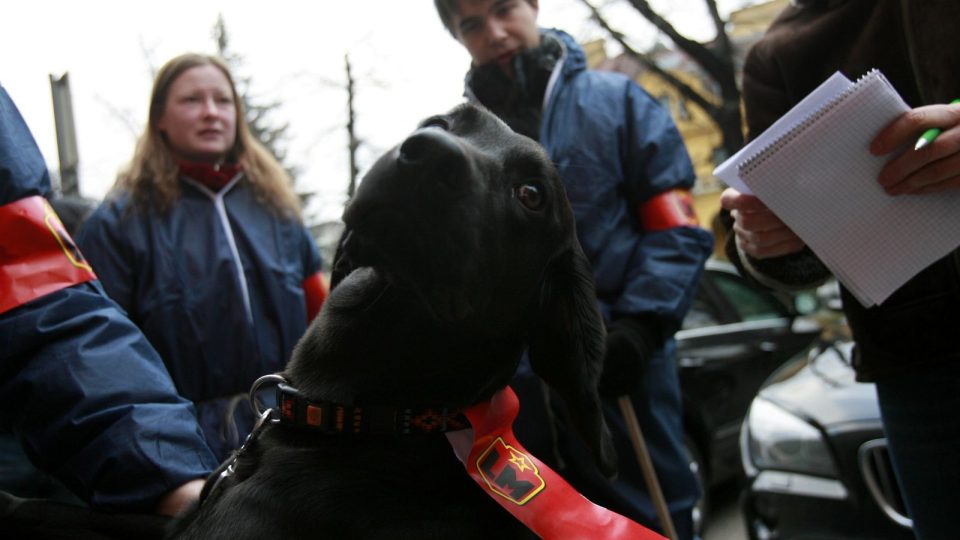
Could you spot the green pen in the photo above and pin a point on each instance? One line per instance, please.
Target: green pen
(930, 134)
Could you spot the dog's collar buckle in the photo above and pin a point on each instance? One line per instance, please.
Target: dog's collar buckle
(330, 418)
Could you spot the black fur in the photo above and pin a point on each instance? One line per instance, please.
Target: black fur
(459, 253)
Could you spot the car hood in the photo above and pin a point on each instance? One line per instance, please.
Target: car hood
(824, 390)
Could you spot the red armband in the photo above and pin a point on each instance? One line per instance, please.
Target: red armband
(37, 254)
(525, 486)
(315, 290)
(667, 210)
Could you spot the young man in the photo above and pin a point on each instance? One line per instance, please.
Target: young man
(627, 174)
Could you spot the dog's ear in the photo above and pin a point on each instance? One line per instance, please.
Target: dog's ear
(567, 348)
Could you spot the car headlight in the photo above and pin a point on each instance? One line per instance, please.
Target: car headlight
(778, 439)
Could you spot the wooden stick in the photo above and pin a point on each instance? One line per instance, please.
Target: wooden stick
(646, 465)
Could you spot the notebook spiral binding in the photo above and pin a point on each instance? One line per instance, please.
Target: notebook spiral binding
(749, 164)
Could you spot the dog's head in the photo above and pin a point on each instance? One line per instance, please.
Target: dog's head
(464, 213)
(466, 231)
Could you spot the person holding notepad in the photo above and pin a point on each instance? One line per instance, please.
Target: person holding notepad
(906, 344)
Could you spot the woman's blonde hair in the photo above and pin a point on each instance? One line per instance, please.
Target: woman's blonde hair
(151, 177)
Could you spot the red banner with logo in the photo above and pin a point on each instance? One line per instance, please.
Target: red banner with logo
(525, 486)
(37, 254)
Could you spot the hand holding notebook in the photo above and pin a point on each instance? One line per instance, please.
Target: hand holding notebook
(813, 168)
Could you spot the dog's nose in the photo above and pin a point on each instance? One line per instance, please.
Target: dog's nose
(434, 153)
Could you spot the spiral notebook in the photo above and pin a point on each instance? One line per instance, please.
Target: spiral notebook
(815, 171)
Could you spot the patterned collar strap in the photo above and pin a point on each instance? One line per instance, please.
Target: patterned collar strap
(37, 254)
(527, 488)
(333, 418)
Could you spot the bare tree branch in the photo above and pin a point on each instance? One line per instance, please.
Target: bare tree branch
(685, 89)
(716, 60)
(124, 116)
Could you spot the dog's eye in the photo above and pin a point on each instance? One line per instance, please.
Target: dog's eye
(530, 195)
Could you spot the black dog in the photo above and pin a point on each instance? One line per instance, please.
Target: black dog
(459, 254)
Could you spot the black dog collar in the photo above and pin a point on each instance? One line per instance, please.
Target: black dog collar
(327, 418)
(333, 418)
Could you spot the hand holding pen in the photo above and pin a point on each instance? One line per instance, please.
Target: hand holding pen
(930, 134)
(929, 167)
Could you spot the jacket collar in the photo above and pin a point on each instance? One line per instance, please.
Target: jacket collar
(519, 100)
(574, 59)
(214, 178)
(571, 61)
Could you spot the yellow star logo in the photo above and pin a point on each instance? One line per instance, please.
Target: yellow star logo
(519, 460)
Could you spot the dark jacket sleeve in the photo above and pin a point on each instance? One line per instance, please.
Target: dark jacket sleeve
(79, 384)
(93, 403)
(768, 97)
(667, 264)
(104, 243)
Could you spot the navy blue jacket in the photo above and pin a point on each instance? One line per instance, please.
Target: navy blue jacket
(216, 285)
(85, 392)
(616, 148)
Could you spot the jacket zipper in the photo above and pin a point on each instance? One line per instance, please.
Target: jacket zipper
(218, 203)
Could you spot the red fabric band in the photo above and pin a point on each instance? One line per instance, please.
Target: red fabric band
(315, 291)
(525, 486)
(667, 210)
(37, 254)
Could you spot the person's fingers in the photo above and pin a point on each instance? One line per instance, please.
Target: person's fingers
(731, 199)
(909, 125)
(766, 249)
(914, 169)
(764, 238)
(927, 176)
(944, 185)
(767, 241)
(757, 230)
(757, 221)
(180, 497)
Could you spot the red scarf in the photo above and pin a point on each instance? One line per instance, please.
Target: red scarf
(525, 486)
(213, 177)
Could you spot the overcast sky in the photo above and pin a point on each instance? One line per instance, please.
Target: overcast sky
(405, 64)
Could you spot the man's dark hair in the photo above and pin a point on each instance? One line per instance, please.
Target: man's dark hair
(446, 9)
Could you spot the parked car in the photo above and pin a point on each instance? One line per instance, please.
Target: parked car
(815, 455)
(735, 335)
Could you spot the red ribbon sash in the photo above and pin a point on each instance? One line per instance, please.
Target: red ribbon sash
(37, 255)
(525, 486)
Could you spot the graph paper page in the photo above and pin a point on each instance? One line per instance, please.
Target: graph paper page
(727, 171)
(821, 180)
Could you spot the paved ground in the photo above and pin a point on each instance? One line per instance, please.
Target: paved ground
(726, 522)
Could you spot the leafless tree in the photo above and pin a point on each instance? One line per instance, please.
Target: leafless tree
(258, 114)
(716, 58)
